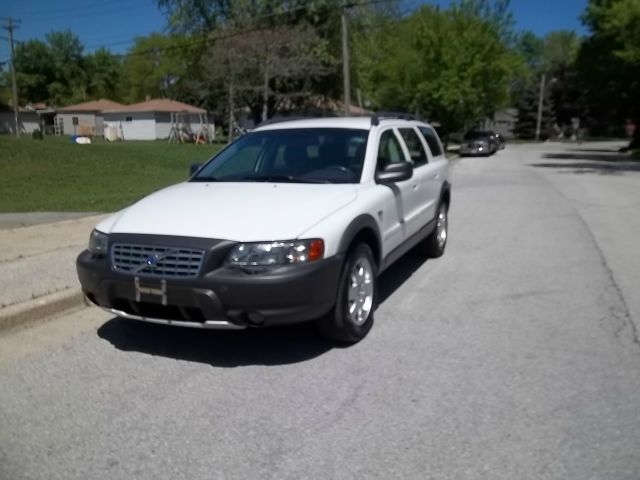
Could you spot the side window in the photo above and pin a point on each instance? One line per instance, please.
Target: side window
(415, 147)
(432, 141)
(389, 150)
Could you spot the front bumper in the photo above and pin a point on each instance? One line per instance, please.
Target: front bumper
(474, 150)
(221, 297)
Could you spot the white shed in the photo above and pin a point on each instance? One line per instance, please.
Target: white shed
(28, 120)
(84, 118)
(154, 119)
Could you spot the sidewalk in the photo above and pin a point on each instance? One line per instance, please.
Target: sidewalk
(37, 268)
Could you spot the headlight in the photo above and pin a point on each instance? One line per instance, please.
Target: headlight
(98, 243)
(276, 253)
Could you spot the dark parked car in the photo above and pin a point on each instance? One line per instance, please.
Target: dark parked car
(479, 142)
(499, 139)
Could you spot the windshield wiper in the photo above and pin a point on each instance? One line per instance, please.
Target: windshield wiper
(281, 178)
(205, 179)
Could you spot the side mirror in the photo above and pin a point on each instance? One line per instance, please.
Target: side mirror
(395, 172)
(193, 168)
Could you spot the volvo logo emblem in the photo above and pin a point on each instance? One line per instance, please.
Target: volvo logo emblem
(152, 260)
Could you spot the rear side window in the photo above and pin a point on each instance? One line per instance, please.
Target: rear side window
(432, 141)
(416, 149)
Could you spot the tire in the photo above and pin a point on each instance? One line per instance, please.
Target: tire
(352, 316)
(433, 246)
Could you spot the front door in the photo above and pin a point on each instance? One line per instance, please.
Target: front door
(398, 215)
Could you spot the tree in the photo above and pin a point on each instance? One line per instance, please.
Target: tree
(609, 65)
(201, 18)
(558, 62)
(204, 16)
(530, 48)
(53, 71)
(154, 66)
(35, 70)
(451, 66)
(526, 124)
(70, 79)
(618, 20)
(258, 68)
(104, 73)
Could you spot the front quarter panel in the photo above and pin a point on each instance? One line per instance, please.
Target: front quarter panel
(376, 207)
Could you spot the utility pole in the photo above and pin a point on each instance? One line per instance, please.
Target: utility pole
(11, 25)
(540, 104)
(345, 63)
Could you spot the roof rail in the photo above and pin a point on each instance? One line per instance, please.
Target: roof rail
(376, 117)
(292, 118)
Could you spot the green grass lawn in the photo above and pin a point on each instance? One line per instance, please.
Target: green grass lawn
(56, 175)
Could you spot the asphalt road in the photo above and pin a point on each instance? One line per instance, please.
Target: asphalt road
(515, 356)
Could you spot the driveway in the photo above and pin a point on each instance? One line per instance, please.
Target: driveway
(514, 356)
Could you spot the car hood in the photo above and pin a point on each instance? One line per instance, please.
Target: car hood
(233, 211)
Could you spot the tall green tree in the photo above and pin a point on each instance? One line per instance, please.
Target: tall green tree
(35, 70)
(527, 122)
(155, 66)
(104, 74)
(204, 16)
(609, 65)
(451, 66)
(70, 78)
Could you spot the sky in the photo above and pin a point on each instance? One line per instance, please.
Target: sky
(115, 23)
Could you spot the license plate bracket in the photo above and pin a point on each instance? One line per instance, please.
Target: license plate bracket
(149, 290)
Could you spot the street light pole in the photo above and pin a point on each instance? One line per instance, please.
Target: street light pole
(540, 104)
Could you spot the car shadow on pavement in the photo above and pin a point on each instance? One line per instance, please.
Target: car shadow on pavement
(398, 273)
(590, 162)
(220, 348)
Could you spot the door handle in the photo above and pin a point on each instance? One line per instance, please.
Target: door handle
(436, 176)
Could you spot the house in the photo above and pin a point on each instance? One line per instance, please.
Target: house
(28, 120)
(503, 122)
(155, 119)
(84, 118)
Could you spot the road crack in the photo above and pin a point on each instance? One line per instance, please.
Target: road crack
(622, 314)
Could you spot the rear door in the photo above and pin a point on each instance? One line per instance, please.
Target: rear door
(424, 171)
(397, 208)
(438, 171)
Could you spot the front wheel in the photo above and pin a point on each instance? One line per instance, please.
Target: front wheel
(352, 316)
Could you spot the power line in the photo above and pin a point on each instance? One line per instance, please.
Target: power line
(11, 25)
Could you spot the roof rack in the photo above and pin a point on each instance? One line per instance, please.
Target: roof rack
(376, 117)
(292, 118)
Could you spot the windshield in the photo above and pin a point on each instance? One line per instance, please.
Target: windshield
(303, 155)
(475, 135)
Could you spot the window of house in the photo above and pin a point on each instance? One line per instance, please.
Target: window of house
(128, 119)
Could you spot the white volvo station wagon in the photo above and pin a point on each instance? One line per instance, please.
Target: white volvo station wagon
(292, 222)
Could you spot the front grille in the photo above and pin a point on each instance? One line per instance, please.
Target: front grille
(156, 261)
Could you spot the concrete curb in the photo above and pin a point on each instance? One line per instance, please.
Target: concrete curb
(40, 308)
